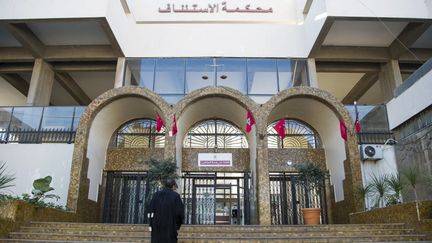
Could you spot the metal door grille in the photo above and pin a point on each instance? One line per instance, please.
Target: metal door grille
(125, 197)
(206, 194)
(287, 198)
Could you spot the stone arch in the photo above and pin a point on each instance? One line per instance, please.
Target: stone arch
(221, 103)
(117, 99)
(301, 100)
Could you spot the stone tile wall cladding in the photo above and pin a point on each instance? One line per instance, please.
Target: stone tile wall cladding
(405, 212)
(16, 213)
(131, 159)
(278, 158)
(266, 159)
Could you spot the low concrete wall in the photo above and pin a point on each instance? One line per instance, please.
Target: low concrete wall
(16, 213)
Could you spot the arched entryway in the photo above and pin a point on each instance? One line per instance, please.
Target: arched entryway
(102, 118)
(211, 122)
(322, 112)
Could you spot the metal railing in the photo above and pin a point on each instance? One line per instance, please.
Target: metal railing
(51, 124)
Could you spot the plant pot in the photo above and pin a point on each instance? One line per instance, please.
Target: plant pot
(311, 216)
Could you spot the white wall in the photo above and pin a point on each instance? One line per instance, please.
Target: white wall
(415, 99)
(46, 9)
(33, 161)
(385, 166)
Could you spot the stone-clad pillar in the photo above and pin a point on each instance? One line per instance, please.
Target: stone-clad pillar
(390, 78)
(263, 180)
(41, 83)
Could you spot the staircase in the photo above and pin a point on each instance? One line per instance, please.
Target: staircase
(88, 232)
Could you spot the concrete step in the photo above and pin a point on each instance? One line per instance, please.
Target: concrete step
(363, 238)
(218, 232)
(144, 227)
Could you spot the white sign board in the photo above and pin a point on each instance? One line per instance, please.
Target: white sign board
(224, 11)
(214, 159)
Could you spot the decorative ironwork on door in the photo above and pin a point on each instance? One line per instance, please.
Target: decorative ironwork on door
(125, 197)
(216, 198)
(287, 198)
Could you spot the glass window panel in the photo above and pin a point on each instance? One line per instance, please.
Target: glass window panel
(146, 73)
(172, 99)
(78, 112)
(170, 75)
(143, 71)
(5, 116)
(200, 73)
(262, 76)
(231, 72)
(26, 118)
(300, 72)
(57, 118)
(285, 74)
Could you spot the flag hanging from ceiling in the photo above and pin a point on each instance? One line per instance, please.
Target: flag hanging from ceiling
(343, 130)
(174, 129)
(159, 123)
(280, 128)
(357, 123)
(250, 121)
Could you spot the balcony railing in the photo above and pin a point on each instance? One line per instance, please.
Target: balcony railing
(373, 123)
(39, 124)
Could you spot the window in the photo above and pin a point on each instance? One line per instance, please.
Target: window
(297, 135)
(215, 134)
(139, 133)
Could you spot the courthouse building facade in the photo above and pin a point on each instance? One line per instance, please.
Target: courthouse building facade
(83, 83)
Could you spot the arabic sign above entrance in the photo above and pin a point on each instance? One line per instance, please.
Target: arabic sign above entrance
(214, 159)
(194, 11)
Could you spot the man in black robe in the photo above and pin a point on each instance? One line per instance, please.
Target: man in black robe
(166, 214)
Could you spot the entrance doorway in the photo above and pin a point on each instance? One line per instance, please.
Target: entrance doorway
(125, 197)
(216, 198)
(287, 198)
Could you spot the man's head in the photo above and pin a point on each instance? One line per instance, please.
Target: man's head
(170, 183)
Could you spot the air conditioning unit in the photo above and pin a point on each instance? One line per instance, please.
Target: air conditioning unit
(371, 152)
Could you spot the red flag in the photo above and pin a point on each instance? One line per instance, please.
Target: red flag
(343, 130)
(159, 123)
(174, 129)
(250, 121)
(357, 124)
(280, 128)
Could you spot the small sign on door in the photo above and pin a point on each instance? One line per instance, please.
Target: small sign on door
(215, 159)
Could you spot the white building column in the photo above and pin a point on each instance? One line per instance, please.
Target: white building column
(123, 74)
(312, 73)
(390, 78)
(41, 83)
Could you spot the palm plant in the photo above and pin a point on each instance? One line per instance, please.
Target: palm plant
(395, 184)
(380, 188)
(6, 180)
(412, 178)
(363, 192)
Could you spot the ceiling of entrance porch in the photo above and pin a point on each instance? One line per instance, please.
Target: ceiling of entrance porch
(82, 53)
(350, 52)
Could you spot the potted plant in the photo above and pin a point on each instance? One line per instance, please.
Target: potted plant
(312, 177)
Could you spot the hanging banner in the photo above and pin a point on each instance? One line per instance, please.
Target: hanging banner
(214, 159)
